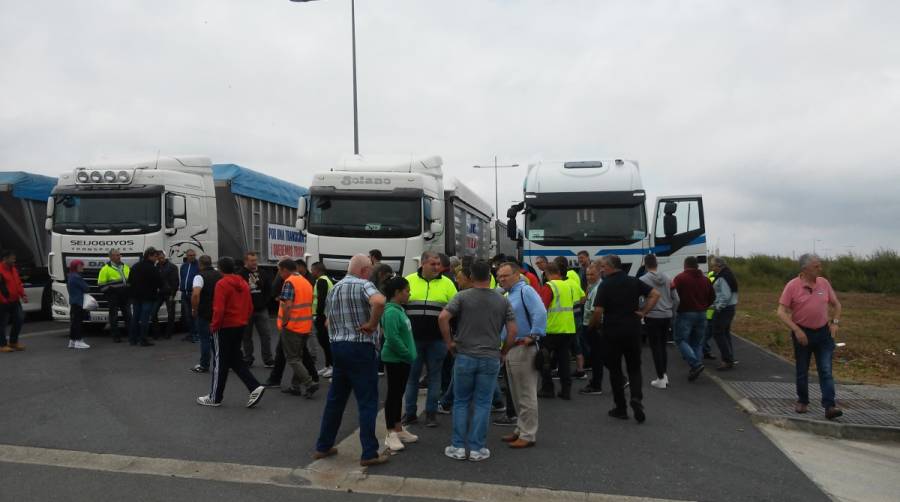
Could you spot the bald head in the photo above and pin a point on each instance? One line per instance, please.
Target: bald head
(360, 266)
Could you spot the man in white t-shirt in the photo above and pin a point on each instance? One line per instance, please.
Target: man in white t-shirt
(202, 289)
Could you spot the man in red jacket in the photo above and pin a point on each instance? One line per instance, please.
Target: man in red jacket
(12, 293)
(696, 294)
(232, 307)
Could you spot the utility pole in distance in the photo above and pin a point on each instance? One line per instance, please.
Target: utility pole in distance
(495, 167)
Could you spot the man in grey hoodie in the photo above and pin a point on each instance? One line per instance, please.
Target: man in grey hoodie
(659, 319)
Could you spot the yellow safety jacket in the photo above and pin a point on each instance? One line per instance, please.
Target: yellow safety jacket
(426, 301)
(710, 311)
(560, 316)
(315, 303)
(110, 277)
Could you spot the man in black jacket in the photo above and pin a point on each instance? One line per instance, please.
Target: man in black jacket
(168, 272)
(261, 292)
(144, 284)
(203, 287)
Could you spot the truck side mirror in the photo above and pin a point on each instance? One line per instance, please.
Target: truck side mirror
(300, 224)
(51, 205)
(437, 210)
(48, 224)
(178, 208)
(302, 207)
(670, 221)
(179, 223)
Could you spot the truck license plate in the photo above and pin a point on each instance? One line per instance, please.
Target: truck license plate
(99, 316)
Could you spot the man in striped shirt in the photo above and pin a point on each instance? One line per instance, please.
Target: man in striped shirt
(353, 309)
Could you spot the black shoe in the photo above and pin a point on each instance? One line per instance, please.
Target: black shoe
(590, 390)
(547, 394)
(311, 390)
(409, 419)
(580, 375)
(708, 355)
(498, 408)
(506, 421)
(638, 410)
(695, 372)
(145, 343)
(270, 364)
(565, 394)
(620, 413)
(431, 420)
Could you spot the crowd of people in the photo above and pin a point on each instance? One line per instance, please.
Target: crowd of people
(454, 328)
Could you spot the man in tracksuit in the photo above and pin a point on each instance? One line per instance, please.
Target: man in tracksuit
(232, 308)
(430, 292)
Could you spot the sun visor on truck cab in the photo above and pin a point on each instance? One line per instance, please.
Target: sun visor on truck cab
(250, 183)
(586, 199)
(28, 186)
(396, 193)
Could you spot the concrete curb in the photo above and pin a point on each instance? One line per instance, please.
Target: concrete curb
(820, 427)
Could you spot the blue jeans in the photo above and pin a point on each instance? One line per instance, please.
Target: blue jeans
(140, 321)
(690, 331)
(474, 381)
(446, 399)
(205, 340)
(430, 353)
(11, 310)
(820, 344)
(355, 369)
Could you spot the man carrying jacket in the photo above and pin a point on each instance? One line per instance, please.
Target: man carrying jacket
(113, 283)
(260, 283)
(12, 293)
(232, 308)
(429, 293)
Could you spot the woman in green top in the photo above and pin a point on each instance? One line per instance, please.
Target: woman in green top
(398, 351)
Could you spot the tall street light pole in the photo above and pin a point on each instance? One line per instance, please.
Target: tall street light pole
(355, 106)
(495, 167)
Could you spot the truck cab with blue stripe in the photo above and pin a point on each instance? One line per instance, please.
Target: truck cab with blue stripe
(600, 206)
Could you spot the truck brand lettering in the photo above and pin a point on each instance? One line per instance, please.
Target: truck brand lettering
(122, 243)
(364, 180)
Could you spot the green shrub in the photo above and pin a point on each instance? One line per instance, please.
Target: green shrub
(876, 273)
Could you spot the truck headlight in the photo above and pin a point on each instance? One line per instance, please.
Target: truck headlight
(59, 300)
(109, 177)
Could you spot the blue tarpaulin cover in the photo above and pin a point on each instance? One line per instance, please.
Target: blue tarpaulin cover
(30, 186)
(250, 183)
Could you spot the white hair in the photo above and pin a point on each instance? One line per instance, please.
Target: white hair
(807, 258)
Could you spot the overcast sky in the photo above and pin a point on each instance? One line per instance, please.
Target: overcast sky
(784, 115)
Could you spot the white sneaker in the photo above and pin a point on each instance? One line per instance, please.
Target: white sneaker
(479, 455)
(392, 441)
(207, 401)
(79, 344)
(455, 453)
(666, 379)
(255, 396)
(659, 383)
(322, 371)
(407, 437)
(327, 373)
(71, 344)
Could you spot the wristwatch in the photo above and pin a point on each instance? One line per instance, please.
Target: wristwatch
(835, 321)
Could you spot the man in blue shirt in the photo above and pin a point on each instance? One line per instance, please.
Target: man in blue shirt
(531, 321)
(189, 269)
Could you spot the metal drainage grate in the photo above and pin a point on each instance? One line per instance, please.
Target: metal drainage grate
(777, 398)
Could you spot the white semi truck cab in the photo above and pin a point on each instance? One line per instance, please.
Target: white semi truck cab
(174, 204)
(599, 206)
(399, 205)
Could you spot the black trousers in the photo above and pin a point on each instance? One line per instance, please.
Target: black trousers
(597, 357)
(559, 346)
(397, 376)
(170, 311)
(227, 355)
(322, 338)
(117, 299)
(657, 332)
(280, 362)
(627, 344)
(721, 323)
(76, 318)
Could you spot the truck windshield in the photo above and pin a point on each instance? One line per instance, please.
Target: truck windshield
(107, 213)
(608, 225)
(365, 217)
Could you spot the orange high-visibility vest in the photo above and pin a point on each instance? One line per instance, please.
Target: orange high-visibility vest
(298, 316)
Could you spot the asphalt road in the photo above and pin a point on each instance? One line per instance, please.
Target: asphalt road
(114, 398)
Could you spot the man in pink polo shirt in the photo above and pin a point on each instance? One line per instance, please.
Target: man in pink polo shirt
(803, 308)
